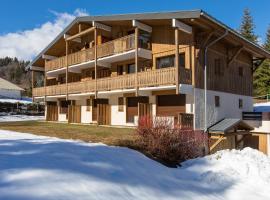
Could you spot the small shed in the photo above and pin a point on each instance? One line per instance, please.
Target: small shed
(228, 133)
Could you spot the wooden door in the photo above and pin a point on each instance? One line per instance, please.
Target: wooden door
(144, 109)
(132, 107)
(74, 114)
(104, 114)
(52, 111)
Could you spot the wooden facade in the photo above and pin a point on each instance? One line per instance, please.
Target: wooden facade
(124, 55)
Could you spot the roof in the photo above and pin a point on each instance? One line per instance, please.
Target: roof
(191, 14)
(228, 124)
(4, 84)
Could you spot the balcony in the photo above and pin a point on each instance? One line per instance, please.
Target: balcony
(116, 50)
(152, 78)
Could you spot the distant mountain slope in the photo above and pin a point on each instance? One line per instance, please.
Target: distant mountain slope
(14, 70)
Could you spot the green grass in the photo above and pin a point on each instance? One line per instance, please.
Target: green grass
(87, 133)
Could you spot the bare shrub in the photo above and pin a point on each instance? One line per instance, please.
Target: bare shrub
(168, 143)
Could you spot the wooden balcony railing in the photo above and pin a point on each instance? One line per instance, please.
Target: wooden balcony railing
(116, 46)
(113, 47)
(185, 120)
(56, 89)
(158, 77)
(55, 64)
(38, 92)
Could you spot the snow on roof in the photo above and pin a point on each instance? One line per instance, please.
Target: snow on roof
(15, 101)
(4, 84)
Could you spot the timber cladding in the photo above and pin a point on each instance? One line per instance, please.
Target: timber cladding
(236, 77)
(52, 111)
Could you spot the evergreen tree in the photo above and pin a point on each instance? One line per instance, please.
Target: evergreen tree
(247, 26)
(262, 75)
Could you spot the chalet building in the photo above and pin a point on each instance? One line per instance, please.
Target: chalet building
(111, 70)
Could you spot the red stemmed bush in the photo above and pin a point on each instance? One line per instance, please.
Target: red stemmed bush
(168, 143)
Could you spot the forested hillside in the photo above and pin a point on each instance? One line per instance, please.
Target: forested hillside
(15, 71)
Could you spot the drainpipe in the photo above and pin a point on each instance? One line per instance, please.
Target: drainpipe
(205, 77)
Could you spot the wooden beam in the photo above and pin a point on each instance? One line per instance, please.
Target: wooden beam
(33, 83)
(136, 58)
(95, 39)
(66, 70)
(48, 57)
(80, 28)
(234, 56)
(34, 68)
(177, 60)
(216, 143)
(141, 26)
(78, 40)
(79, 34)
(181, 26)
(207, 38)
(257, 63)
(99, 25)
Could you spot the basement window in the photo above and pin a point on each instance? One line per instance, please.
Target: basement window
(217, 101)
(240, 103)
(120, 104)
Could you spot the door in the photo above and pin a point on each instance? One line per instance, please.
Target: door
(52, 111)
(101, 111)
(132, 107)
(74, 114)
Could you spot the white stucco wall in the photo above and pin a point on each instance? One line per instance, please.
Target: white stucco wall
(86, 116)
(229, 106)
(14, 94)
(117, 118)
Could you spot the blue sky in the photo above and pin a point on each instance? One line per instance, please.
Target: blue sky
(18, 16)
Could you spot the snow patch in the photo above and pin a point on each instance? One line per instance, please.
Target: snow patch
(39, 167)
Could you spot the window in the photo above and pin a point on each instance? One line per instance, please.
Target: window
(93, 74)
(240, 71)
(218, 67)
(240, 103)
(120, 70)
(64, 107)
(121, 104)
(88, 104)
(131, 68)
(144, 39)
(168, 61)
(217, 101)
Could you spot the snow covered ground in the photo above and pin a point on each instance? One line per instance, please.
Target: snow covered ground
(14, 118)
(38, 168)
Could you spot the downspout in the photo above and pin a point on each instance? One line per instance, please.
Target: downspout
(205, 76)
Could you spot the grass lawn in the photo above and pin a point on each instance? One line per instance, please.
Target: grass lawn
(107, 135)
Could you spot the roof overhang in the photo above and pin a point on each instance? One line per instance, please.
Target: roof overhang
(186, 16)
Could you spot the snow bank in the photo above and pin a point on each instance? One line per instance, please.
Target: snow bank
(14, 118)
(262, 107)
(36, 167)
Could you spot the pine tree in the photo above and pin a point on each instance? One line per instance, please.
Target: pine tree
(247, 26)
(262, 75)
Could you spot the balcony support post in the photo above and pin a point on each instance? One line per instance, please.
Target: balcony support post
(66, 70)
(45, 83)
(95, 38)
(136, 59)
(177, 60)
(33, 83)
